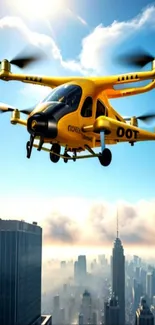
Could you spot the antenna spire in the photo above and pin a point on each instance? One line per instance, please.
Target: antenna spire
(117, 222)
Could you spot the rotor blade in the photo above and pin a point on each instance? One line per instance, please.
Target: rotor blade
(145, 117)
(22, 59)
(138, 58)
(6, 108)
(22, 62)
(27, 111)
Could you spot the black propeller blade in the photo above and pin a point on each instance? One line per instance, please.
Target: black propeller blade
(22, 60)
(137, 58)
(145, 117)
(6, 108)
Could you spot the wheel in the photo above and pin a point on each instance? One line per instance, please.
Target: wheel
(56, 149)
(105, 157)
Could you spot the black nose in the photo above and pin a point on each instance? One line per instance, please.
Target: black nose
(39, 125)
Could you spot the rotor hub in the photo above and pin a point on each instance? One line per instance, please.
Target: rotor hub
(6, 66)
(15, 116)
(134, 121)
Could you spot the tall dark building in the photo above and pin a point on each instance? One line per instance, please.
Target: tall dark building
(112, 312)
(118, 276)
(143, 314)
(20, 272)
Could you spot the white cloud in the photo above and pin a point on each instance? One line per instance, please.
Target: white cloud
(43, 41)
(95, 46)
(36, 93)
(92, 224)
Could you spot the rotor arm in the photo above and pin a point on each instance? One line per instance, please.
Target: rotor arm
(33, 79)
(117, 93)
(103, 83)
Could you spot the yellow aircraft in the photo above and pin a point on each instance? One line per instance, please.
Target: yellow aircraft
(77, 114)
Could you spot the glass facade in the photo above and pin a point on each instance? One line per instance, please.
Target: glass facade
(20, 272)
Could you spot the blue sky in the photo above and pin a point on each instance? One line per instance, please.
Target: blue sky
(78, 33)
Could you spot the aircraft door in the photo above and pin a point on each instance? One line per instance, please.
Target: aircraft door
(101, 109)
(87, 109)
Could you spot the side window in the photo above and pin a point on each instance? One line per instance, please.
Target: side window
(100, 109)
(86, 110)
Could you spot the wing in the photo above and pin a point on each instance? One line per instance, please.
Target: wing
(117, 131)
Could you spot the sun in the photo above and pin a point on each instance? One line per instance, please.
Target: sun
(39, 9)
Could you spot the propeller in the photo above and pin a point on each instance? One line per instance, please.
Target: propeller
(6, 108)
(22, 60)
(138, 58)
(145, 117)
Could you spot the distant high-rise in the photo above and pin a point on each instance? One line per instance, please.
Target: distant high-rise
(81, 319)
(137, 294)
(143, 278)
(76, 271)
(20, 272)
(56, 310)
(82, 267)
(86, 308)
(118, 275)
(112, 312)
(94, 318)
(143, 314)
(63, 264)
(149, 286)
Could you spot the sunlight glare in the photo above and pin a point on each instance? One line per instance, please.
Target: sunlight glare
(40, 9)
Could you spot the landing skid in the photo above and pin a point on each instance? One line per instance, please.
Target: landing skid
(69, 158)
(104, 157)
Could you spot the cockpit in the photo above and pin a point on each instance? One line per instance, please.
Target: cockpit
(70, 95)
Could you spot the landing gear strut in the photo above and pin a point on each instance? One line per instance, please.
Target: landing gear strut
(54, 155)
(105, 156)
(66, 155)
(29, 146)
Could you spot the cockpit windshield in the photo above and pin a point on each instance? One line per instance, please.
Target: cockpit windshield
(68, 94)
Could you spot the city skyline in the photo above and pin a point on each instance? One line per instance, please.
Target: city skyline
(74, 201)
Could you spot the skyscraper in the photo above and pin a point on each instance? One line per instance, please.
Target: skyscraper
(137, 294)
(149, 286)
(82, 268)
(76, 271)
(118, 275)
(86, 308)
(112, 312)
(56, 310)
(143, 314)
(20, 272)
